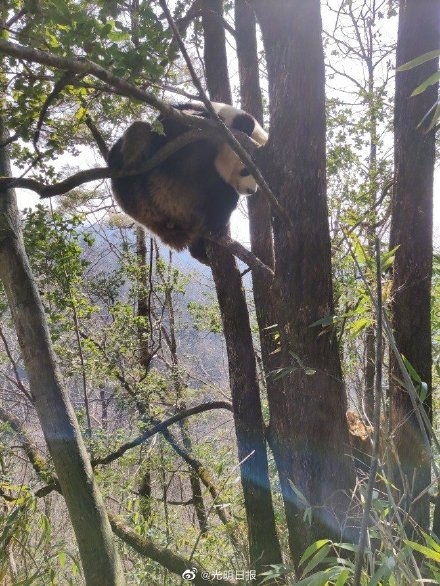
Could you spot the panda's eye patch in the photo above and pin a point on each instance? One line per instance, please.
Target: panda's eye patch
(244, 173)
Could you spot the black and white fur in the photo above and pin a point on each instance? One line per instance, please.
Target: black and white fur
(195, 190)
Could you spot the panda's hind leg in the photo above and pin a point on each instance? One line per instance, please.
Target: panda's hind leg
(133, 148)
(198, 251)
(172, 234)
(136, 144)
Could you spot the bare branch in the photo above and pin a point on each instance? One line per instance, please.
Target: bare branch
(160, 427)
(66, 79)
(9, 140)
(18, 380)
(98, 173)
(242, 253)
(99, 139)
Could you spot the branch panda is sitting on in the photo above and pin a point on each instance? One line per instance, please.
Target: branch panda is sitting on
(192, 192)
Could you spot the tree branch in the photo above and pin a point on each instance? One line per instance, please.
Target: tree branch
(166, 558)
(230, 139)
(241, 252)
(39, 463)
(85, 67)
(159, 427)
(142, 545)
(99, 139)
(66, 79)
(88, 175)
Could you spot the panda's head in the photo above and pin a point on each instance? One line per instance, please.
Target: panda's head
(232, 170)
(227, 163)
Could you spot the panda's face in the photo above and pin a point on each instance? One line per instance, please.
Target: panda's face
(227, 163)
(232, 170)
(246, 184)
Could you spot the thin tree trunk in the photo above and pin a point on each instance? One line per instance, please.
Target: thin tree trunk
(264, 548)
(308, 428)
(145, 355)
(214, 53)
(370, 335)
(260, 220)
(195, 483)
(97, 549)
(411, 231)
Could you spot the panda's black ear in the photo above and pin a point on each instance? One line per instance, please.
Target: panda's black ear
(244, 122)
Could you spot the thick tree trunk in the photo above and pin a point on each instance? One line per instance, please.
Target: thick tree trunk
(97, 549)
(264, 548)
(411, 231)
(308, 427)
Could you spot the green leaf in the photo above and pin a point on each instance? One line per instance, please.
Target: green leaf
(434, 119)
(359, 325)
(276, 571)
(313, 548)
(431, 542)
(117, 36)
(411, 370)
(317, 559)
(431, 554)
(61, 11)
(388, 257)
(318, 579)
(343, 576)
(325, 321)
(419, 60)
(423, 393)
(432, 79)
(304, 503)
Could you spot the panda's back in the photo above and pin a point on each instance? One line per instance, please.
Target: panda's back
(185, 187)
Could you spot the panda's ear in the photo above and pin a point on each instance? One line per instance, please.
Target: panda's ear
(244, 122)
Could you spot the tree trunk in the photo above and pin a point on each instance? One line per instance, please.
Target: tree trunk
(215, 59)
(97, 549)
(260, 219)
(411, 231)
(308, 428)
(264, 548)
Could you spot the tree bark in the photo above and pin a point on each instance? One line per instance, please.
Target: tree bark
(264, 548)
(260, 220)
(99, 556)
(308, 428)
(411, 231)
(214, 53)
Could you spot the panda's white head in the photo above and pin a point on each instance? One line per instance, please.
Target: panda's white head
(227, 163)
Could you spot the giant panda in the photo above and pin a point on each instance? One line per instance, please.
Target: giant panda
(192, 192)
